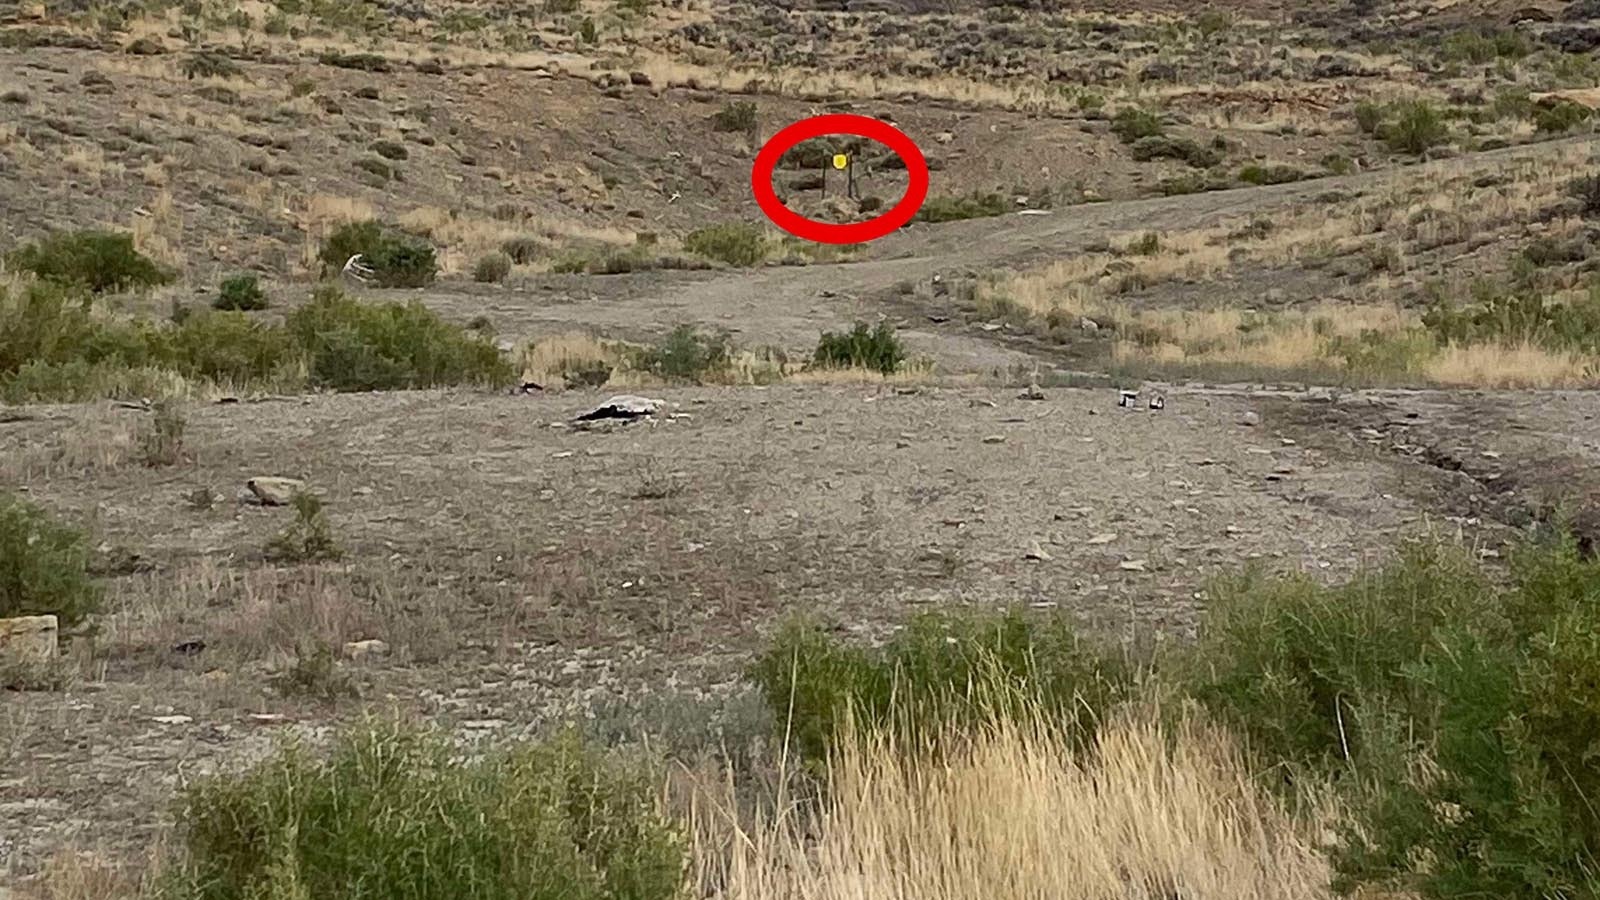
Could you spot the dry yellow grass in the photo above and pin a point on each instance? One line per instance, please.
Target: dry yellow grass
(1515, 366)
(1149, 814)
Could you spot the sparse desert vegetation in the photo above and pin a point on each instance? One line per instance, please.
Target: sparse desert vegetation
(445, 482)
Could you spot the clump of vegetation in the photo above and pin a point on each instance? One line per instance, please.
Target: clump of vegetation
(976, 205)
(1161, 146)
(1132, 124)
(736, 115)
(491, 268)
(1369, 117)
(161, 441)
(877, 348)
(44, 565)
(352, 346)
(522, 250)
(396, 259)
(1213, 21)
(736, 244)
(1269, 174)
(308, 538)
(1485, 46)
(1450, 701)
(241, 293)
(1147, 244)
(687, 354)
(100, 261)
(315, 673)
(392, 811)
(939, 671)
(210, 65)
(1418, 127)
(1519, 315)
(1561, 117)
(1586, 190)
(391, 150)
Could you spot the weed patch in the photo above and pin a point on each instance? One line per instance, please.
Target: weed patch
(44, 565)
(396, 812)
(876, 348)
(100, 261)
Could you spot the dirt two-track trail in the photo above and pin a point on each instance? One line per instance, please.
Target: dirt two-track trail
(784, 305)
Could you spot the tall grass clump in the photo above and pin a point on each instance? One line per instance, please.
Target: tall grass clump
(352, 346)
(44, 565)
(939, 672)
(98, 261)
(397, 259)
(393, 813)
(1020, 808)
(876, 348)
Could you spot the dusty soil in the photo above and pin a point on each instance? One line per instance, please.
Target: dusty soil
(523, 572)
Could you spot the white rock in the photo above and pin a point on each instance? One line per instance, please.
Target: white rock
(362, 650)
(274, 491)
(28, 639)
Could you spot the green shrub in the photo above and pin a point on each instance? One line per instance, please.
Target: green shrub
(1132, 124)
(1212, 21)
(939, 671)
(1163, 147)
(393, 812)
(351, 346)
(875, 348)
(736, 115)
(687, 355)
(1561, 117)
(522, 250)
(396, 259)
(210, 65)
(1521, 315)
(1456, 709)
(99, 261)
(1270, 174)
(241, 293)
(308, 538)
(1586, 190)
(1147, 244)
(1480, 47)
(1417, 127)
(492, 268)
(735, 244)
(44, 565)
(976, 205)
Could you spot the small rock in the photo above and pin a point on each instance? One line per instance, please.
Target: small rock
(358, 651)
(1037, 552)
(30, 639)
(995, 439)
(172, 720)
(1132, 565)
(1032, 392)
(1249, 418)
(273, 491)
(1106, 538)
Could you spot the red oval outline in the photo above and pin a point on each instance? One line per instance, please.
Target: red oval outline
(854, 232)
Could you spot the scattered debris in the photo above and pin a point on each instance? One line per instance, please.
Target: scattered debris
(625, 407)
(1128, 399)
(1133, 565)
(1032, 392)
(1105, 538)
(995, 439)
(172, 720)
(191, 647)
(1158, 402)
